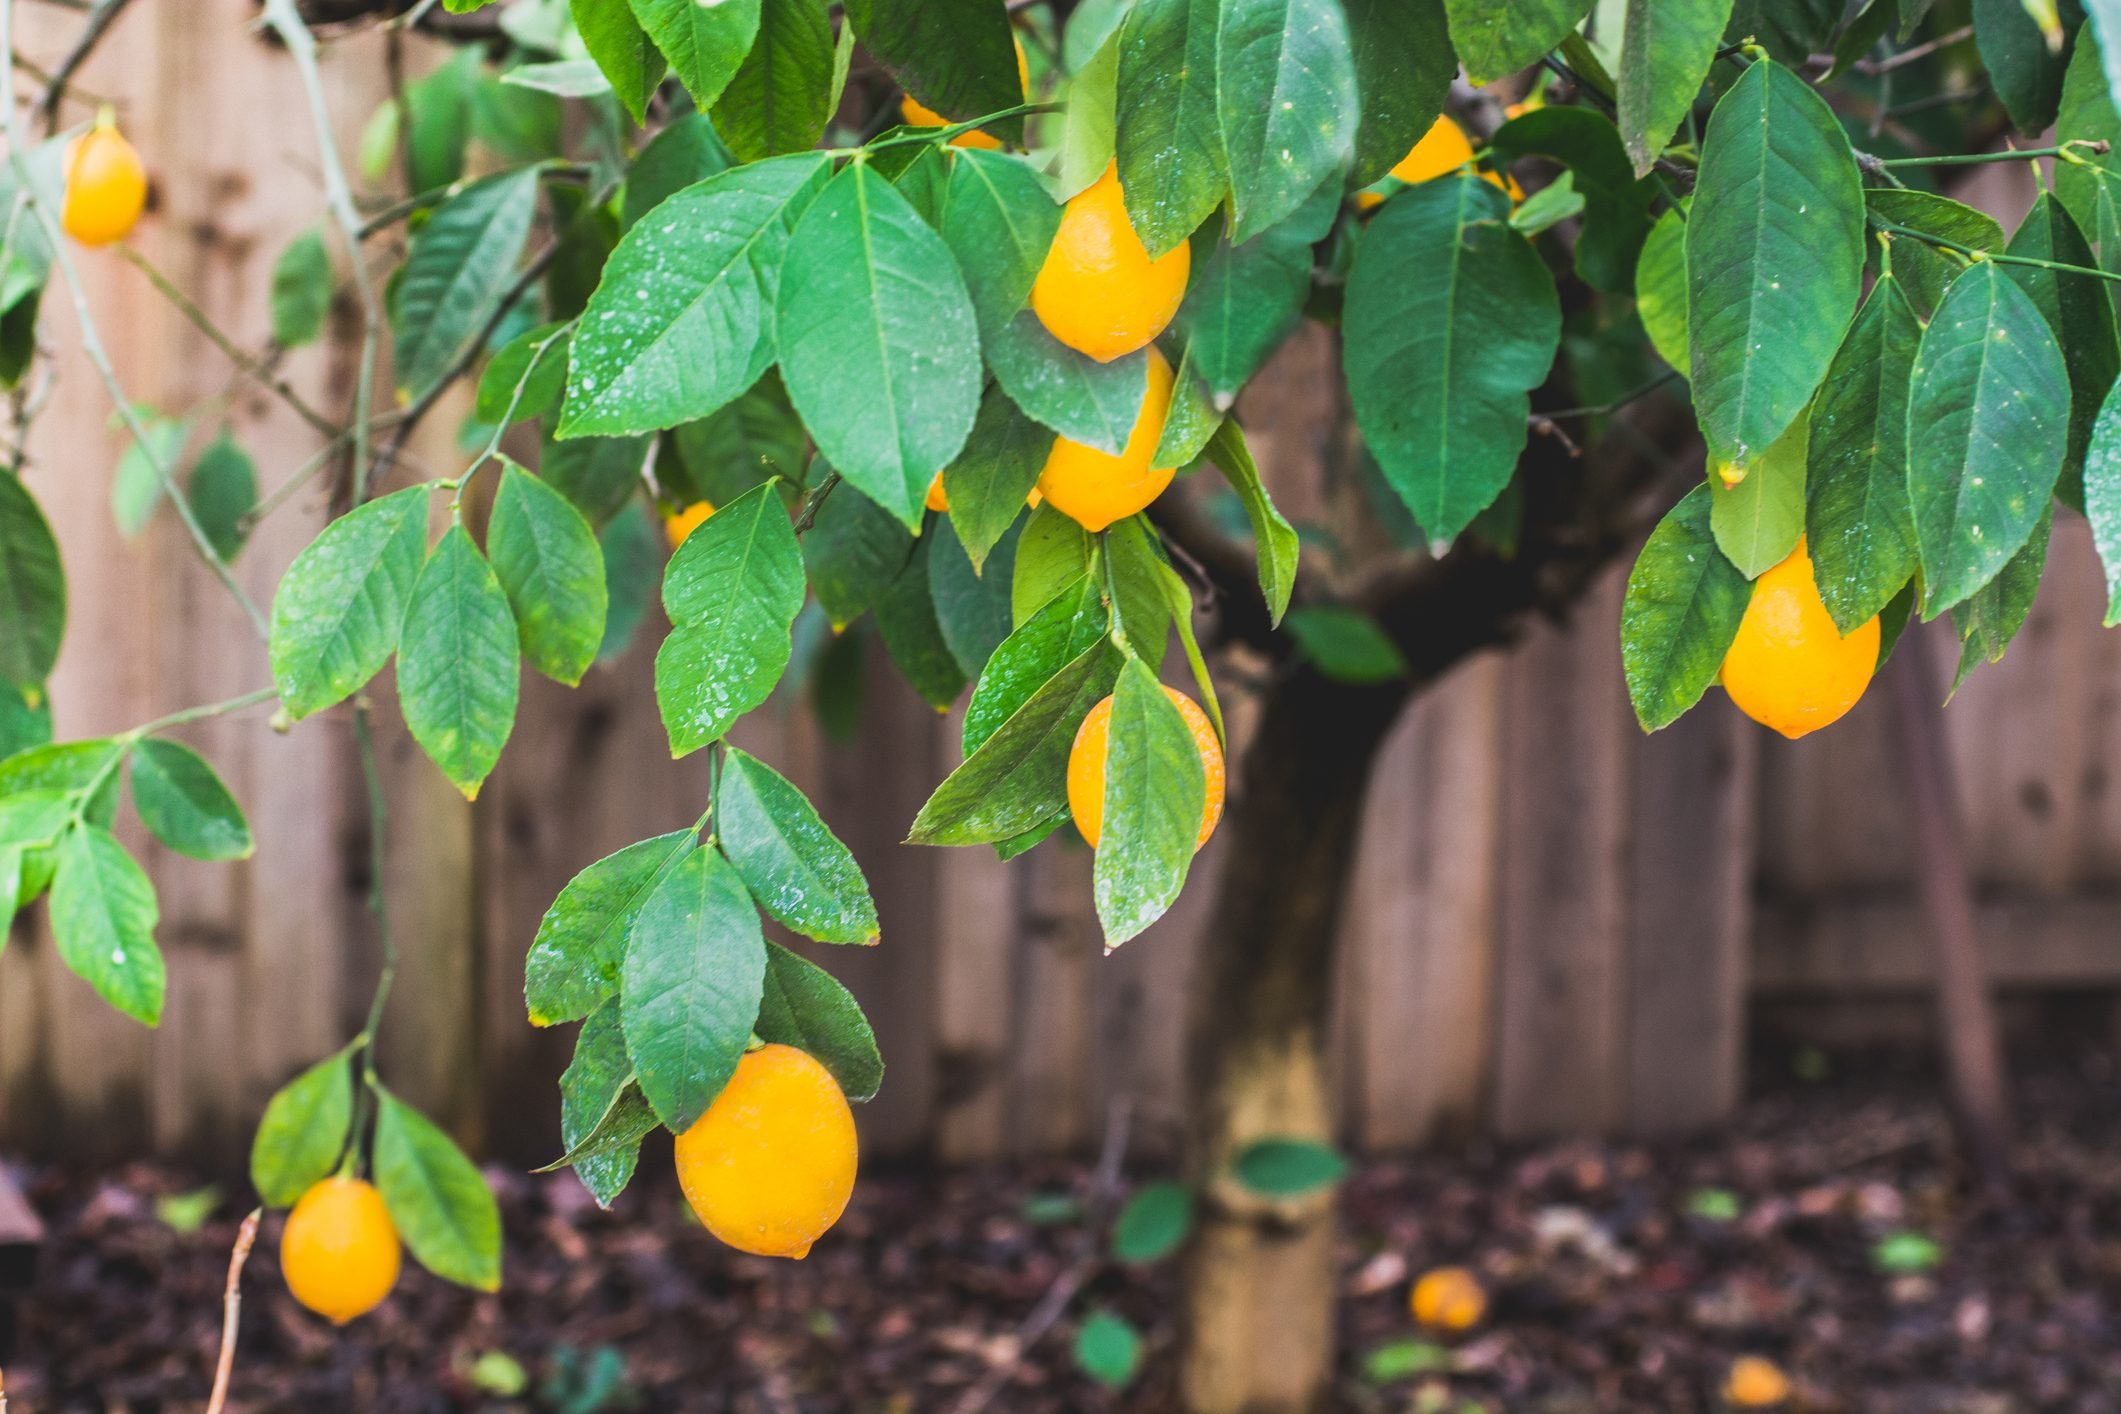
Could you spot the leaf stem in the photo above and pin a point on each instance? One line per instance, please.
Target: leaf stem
(2067, 152)
(492, 448)
(948, 131)
(2000, 258)
(193, 714)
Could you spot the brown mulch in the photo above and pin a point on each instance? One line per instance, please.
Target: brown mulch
(1620, 1282)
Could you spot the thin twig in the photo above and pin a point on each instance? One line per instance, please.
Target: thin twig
(815, 503)
(99, 19)
(1999, 257)
(1919, 51)
(2066, 151)
(231, 1310)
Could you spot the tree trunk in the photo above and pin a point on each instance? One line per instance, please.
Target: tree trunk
(1258, 1302)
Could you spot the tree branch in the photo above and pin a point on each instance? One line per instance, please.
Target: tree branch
(100, 16)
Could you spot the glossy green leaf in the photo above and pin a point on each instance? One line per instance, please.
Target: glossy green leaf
(781, 98)
(632, 547)
(1067, 626)
(1440, 369)
(1154, 1223)
(457, 665)
(958, 57)
(525, 379)
(971, 608)
(301, 291)
(1757, 521)
(1666, 48)
(733, 590)
(2079, 314)
(25, 719)
(988, 483)
(1859, 527)
(1190, 421)
(1285, 101)
(1988, 426)
(441, 1207)
(704, 43)
(913, 634)
(184, 803)
(686, 152)
(1791, 30)
(461, 263)
(2087, 112)
(2026, 73)
(1616, 204)
(1404, 65)
(879, 347)
(1683, 605)
(598, 474)
(1096, 404)
(694, 971)
(103, 920)
(1289, 1168)
(2102, 497)
(573, 965)
(1172, 167)
(303, 1131)
(603, 1114)
(854, 551)
(622, 50)
(683, 321)
(552, 571)
(998, 220)
(1089, 133)
(1274, 539)
(1992, 617)
(723, 455)
(1154, 796)
(1774, 260)
(32, 589)
(794, 866)
(1494, 41)
(1660, 289)
(1243, 300)
(803, 1006)
(1052, 553)
(338, 612)
(1924, 270)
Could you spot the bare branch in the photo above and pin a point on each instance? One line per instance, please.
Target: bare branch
(100, 16)
(232, 1309)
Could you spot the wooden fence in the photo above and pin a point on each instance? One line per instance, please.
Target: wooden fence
(1557, 923)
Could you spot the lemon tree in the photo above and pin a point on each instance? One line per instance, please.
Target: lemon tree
(971, 385)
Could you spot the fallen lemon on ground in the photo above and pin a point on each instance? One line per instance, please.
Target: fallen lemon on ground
(1443, 149)
(1098, 291)
(1448, 1298)
(770, 1166)
(1789, 668)
(1093, 741)
(920, 115)
(1095, 488)
(681, 523)
(339, 1251)
(106, 187)
(1756, 1383)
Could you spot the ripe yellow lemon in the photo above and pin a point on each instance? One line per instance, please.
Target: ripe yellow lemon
(939, 501)
(770, 1166)
(1443, 149)
(1095, 488)
(339, 1251)
(1086, 767)
(920, 115)
(1789, 668)
(1448, 1298)
(1098, 291)
(106, 187)
(681, 523)
(1756, 1383)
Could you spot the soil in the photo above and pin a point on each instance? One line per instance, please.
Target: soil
(1621, 1277)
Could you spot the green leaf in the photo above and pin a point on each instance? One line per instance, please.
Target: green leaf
(1285, 100)
(223, 491)
(971, 610)
(32, 589)
(2080, 316)
(1274, 538)
(1243, 300)
(185, 805)
(1108, 1350)
(1091, 123)
(103, 922)
(301, 291)
(603, 1114)
(1083, 400)
(1018, 778)
(632, 548)
(547, 560)
(2027, 74)
(1683, 606)
(879, 347)
(733, 589)
(913, 635)
(1154, 797)
(1988, 425)
(457, 678)
(1902, 1253)
(337, 614)
(2102, 497)
(1154, 1223)
(1190, 421)
(438, 123)
(1617, 205)
(958, 57)
(686, 152)
(461, 263)
(137, 487)
(704, 43)
(1991, 619)
(303, 1131)
(794, 866)
(1172, 167)
(25, 719)
(1346, 645)
(683, 320)
(1757, 521)
(69, 766)
(725, 454)
(1404, 65)
(1552, 204)
(1665, 52)
(599, 474)
(803, 1006)
(1067, 626)
(988, 483)
(854, 551)
(782, 97)
(573, 965)
(1859, 527)
(1774, 259)
(999, 221)
(630, 62)
(1924, 270)
(1051, 554)
(1289, 1168)
(525, 379)
(2086, 112)
(1497, 40)
(694, 972)
(1660, 289)
(436, 1199)
(1440, 369)
(1791, 30)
